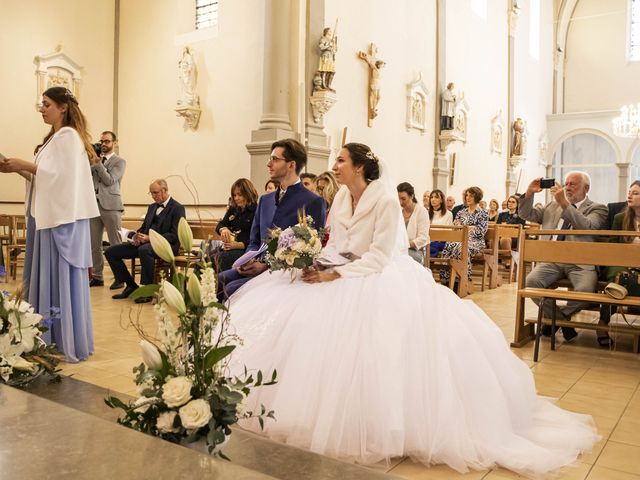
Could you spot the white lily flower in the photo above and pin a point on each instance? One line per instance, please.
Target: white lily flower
(185, 235)
(193, 287)
(173, 297)
(161, 246)
(150, 355)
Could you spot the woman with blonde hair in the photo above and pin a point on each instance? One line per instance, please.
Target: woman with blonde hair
(60, 202)
(327, 187)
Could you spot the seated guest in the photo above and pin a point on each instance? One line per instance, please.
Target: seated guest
(570, 208)
(426, 196)
(504, 205)
(327, 187)
(416, 220)
(614, 209)
(510, 216)
(473, 216)
(450, 202)
(438, 215)
(235, 227)
(493, 210)
(162, 216)
(309, 181)
(483, 205)
(276, 209)
(628, 219)
(271, 186)
(457, 208)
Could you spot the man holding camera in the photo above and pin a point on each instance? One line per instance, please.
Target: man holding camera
(107, 175)
(569, 209)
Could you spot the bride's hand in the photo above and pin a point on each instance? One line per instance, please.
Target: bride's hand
(311, 275)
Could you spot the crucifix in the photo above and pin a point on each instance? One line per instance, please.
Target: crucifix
(375, 65)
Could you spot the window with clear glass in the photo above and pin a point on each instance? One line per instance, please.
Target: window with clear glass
(206, 13)
(633, 43)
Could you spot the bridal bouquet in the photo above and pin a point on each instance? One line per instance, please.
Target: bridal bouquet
(294, 247)
(185, 390)
(23, 354)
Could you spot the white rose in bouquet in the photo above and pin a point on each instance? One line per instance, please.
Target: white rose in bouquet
(164, 423)
(177, 391)
(195, 414)
(22, 364)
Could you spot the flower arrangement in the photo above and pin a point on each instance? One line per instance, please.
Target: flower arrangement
(294, 247)
(185, 390)
(23, 354)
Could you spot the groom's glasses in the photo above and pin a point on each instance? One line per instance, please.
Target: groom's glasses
(273, 158)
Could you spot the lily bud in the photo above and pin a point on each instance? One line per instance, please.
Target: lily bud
(150, 355)
(193, 287)
(185, 235)
(173, 297)
(161, 246)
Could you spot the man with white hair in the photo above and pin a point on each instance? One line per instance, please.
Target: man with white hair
(570, 208)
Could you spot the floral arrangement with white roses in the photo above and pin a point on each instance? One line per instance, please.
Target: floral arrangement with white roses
(294, 247)
(186, 392)
(23, 353)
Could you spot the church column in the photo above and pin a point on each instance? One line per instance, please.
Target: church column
(317, 141)
(441, 168)
(512, 165)
(275, 123)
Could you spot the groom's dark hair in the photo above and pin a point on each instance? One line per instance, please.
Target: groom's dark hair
(294, 151)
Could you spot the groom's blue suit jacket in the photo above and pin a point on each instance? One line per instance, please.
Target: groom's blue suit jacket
(271, 214)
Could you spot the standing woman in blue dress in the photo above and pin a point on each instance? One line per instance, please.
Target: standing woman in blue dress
(60, 202)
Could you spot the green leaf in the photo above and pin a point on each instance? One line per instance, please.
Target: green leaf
(145, 291)
(214, 355)
(258, 379)
(178, 281)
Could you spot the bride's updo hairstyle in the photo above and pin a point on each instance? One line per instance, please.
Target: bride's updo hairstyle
(361, 154)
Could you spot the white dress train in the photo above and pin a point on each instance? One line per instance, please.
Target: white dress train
(379, 365)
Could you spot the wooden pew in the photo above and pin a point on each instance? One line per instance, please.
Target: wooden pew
(493, 255)
(577, 253)
(458, 267)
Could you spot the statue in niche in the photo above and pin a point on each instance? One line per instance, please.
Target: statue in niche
(375, 65)
(417, 114)
(519, 138)
(448, 108)
(328, 46)
(188, 77)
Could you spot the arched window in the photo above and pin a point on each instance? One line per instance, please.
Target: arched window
(206, 13)
(592, 154)
(633, 31)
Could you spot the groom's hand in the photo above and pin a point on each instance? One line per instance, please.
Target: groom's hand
(252, 269)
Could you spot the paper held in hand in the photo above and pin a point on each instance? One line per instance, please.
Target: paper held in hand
(127, 235)
(332, 258)
(249, 255)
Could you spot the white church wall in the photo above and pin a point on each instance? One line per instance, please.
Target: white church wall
(533, 96)
(477, 63)
(598, 75)
(404, 33)
(37, 27)
(229, 85)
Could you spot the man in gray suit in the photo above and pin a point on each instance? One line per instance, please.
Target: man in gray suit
(570, 208)
(107, 175)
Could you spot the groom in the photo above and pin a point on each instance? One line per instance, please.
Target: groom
(276, 209)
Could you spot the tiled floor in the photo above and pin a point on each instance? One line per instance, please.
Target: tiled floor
(582, 376)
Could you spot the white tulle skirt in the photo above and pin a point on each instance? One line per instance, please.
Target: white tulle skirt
(394, 364)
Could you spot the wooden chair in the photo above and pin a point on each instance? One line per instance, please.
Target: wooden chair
(458, 266)
(16, 250)
(6, 229)
(576, 253)
(493, 255)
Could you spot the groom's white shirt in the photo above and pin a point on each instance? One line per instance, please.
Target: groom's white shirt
(370, 232)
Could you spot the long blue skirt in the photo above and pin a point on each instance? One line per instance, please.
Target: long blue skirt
(56, 276)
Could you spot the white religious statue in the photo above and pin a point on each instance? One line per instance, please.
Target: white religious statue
(375, 65)
(188, 76)
(328, 46)
(448, 108)
(519, 138)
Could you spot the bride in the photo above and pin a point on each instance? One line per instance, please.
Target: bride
(376, 360)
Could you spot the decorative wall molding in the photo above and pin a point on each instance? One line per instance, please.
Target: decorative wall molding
(57, 69)
(417, 94)
(497, 132)
(321, 102)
